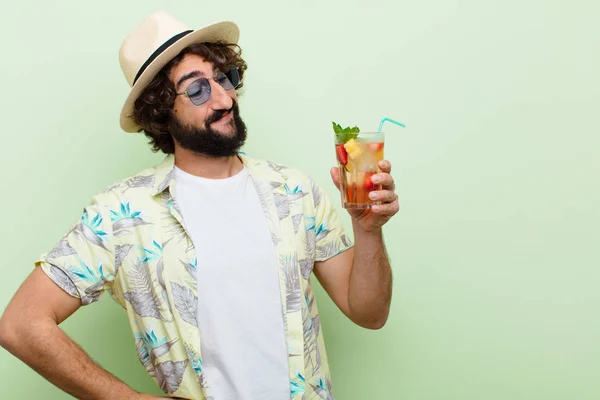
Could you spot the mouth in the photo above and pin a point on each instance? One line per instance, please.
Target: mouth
(225, 118)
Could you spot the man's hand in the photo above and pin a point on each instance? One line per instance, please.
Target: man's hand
(372, 219)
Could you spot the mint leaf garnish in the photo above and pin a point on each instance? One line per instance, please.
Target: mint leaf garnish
(345, 134)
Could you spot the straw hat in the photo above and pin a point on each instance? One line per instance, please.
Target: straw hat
(155, 42)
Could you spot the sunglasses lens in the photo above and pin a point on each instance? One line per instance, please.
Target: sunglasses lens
(199, 91)
(224, 81)
(234, 77)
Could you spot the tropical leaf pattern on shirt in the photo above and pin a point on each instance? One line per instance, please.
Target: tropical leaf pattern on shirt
(328, 250)
(190, 267)
(277, 168)
(292, 282)
(166, 181)
(170, 374)
(185, 302)
(142, 295)
(123, 219)
(307, 263)
(296, 219)
(121, 252)
(131, 241)
(321, 232)
(150, 347)
(298, 385)
(311, 328)
(94, 280)
(294, 193)
(63, 281)
(316, 193)
(196, 362)
(320, 387)
(276, 240)
(139, 181)
(275, 185)
(63, 249)
(89, 229)
(345, 240)
(283, 205)
(155, 253)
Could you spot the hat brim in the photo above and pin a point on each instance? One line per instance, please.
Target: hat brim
(227, 32)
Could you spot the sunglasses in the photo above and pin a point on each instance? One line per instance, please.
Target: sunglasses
(199, 90)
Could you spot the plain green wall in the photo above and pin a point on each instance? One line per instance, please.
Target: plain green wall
(495, 250)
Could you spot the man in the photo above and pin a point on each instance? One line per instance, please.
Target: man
(210, 252)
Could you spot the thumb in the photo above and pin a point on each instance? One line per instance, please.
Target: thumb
(335, 176)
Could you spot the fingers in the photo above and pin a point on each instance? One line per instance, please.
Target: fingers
(335, 176)
(387, 209)
(385, 166)
(385, 180)
(385, 196)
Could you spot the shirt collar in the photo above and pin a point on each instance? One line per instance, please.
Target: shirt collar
(165, 172)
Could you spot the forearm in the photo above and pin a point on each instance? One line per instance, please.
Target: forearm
(370, 289)
(49, 351)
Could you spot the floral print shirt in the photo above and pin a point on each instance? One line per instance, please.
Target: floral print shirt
(131, 241)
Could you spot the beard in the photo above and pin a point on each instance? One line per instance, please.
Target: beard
(207, 141)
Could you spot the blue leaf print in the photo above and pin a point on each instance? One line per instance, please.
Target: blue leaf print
(86, 274)
(295, 193)
(149, 338)
(194, 358)
(322, 228)
(190, 267)
(321, 231)
(322, 389)
(298, 385)
(310, 223)
(150, 347)
(292, 191)
(124, 218)
(154, 253)
(93, 224)
(196, 363)
(124, 212)
(321, 384)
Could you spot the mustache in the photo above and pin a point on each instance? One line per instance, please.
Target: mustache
(217, 115)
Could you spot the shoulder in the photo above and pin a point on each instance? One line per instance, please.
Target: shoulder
(266, 168)
(292, 180)
(135, 186)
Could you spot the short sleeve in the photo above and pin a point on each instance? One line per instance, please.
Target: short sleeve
(82, 263)
(331, 237)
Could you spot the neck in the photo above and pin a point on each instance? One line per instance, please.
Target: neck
(206, 166)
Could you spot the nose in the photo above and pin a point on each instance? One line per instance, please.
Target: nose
(219, 98)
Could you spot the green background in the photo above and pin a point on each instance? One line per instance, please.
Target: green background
(495, 249)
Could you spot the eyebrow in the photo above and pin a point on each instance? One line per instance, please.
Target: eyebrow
(187, 76)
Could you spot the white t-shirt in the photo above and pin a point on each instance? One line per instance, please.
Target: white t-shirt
(239, 305)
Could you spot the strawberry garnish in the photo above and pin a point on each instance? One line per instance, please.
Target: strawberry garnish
(368, 183)
(342, 154)
(375, 146)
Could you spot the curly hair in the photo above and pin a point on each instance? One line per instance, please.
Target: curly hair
(153, 109)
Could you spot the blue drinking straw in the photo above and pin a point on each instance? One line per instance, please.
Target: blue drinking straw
(390, 120)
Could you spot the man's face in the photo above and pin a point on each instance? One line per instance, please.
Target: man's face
(213, 128)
